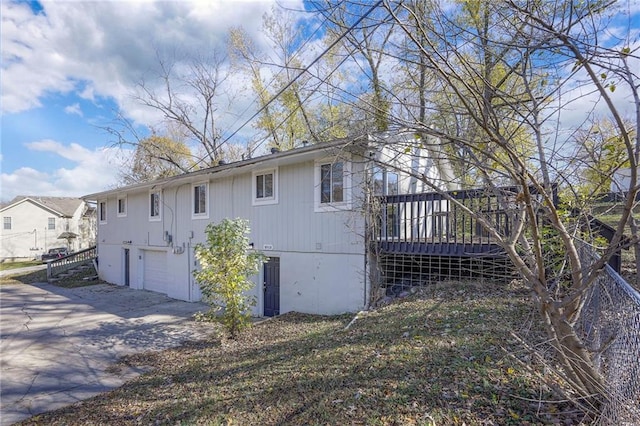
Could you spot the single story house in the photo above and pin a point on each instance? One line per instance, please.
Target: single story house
(306, 209)
(31, 225)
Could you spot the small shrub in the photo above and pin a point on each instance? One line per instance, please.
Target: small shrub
(226, 265)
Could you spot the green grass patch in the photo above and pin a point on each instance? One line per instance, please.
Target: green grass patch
(5, 266)
(613, 220)
(446, 357)
(40, 276)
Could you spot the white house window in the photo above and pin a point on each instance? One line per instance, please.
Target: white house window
(122, 206)
(392, 183)
(384, 182)
(333, 183)
(155, 205)
(6, 222)
(200, 200)
(265, 187)
(51, 223)
(102, 211)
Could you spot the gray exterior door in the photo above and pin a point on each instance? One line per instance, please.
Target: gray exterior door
(127, 267)
(272, 287)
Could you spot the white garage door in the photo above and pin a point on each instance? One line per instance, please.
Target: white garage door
(155, 271)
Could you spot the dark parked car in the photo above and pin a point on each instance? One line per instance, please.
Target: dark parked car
(54, 253)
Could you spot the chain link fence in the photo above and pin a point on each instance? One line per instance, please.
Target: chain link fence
(609, 322)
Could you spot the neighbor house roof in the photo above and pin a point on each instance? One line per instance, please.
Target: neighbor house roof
(63, 206)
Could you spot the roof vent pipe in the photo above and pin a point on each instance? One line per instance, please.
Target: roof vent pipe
(221, 163)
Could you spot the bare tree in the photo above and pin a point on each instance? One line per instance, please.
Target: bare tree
(501, 65)
(191, 100)
(367, 43)
(297, 103)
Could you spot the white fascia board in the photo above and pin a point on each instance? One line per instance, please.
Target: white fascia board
(296, 155)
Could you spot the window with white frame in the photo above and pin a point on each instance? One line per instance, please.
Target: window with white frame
(333, 181)
(102, 211)
(265, 187)
(51, 223)
(6, 222)
(384, 182)
(155, 210)
(199, 200)
(122, 206)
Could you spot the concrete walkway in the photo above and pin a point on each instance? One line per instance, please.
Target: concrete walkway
(56, 344)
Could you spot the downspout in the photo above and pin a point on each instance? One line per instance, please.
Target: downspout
(366, 262)
(175, 211)
(189, 267)
(367, 194)
(173, 249)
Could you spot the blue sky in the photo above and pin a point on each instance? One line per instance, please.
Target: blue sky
(68, 66)
(65, 118)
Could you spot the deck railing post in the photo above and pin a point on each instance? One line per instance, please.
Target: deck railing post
(55, 267)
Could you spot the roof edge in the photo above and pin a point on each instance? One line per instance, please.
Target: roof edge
(237, 164)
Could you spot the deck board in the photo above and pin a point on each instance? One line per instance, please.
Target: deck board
(440, 248)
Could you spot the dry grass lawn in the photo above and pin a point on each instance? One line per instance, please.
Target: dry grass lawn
(446, 356)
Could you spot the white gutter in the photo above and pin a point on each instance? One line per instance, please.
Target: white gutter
(283, 157)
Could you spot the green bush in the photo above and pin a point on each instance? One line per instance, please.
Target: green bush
(226, 266)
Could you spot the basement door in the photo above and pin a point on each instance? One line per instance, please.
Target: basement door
(272, 287)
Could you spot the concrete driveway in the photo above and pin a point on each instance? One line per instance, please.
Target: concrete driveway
(57, 343)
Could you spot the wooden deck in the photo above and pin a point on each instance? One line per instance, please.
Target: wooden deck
(440, 248)
(419, 237)
(432, 224)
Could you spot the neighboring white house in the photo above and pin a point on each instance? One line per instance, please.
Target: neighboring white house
(621, 181)
(304, 207)
(32, 225)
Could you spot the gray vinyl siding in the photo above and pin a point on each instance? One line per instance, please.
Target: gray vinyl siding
(322, 261)
(291, 225)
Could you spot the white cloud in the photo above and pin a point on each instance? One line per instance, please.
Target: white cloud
(105, 48)
(93, 171)
(73, 109)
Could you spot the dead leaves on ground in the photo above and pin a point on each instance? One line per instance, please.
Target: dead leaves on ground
(438, 358)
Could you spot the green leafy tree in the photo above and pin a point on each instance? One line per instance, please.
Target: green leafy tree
(287, 119)
(601, 153)
(226, 266)
(157, 157)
